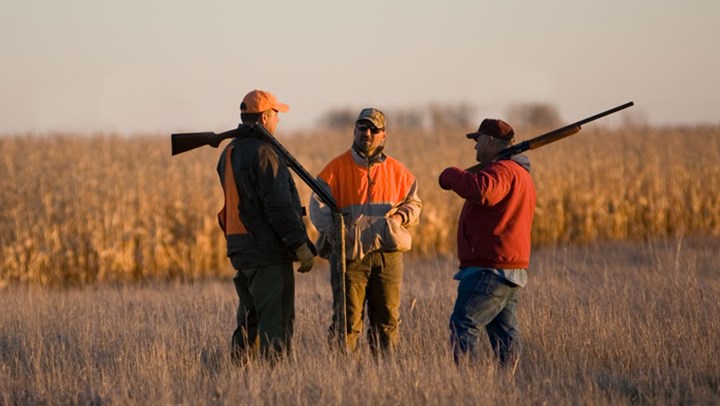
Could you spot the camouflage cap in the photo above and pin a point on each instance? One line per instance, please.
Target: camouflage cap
(375, 116)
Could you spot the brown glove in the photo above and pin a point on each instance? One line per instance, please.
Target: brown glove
(305, 256)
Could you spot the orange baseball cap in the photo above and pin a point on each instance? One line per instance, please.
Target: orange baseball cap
(258, 101)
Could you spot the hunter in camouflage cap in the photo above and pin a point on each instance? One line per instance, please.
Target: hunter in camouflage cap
(374, 116)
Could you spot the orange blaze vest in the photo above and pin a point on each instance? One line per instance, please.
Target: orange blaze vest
(353, 184)
(230, 221)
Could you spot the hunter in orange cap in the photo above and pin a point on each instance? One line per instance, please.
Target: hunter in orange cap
(263, 225)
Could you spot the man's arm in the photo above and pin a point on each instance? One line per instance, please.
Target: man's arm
(484, 187)
(320, 213)
(409, 209)
(274, 187)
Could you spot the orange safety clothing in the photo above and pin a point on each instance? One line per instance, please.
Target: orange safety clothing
(368, 192)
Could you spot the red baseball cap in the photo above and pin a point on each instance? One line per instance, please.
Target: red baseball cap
(494, 128)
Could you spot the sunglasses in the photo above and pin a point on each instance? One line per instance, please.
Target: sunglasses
(364, 127)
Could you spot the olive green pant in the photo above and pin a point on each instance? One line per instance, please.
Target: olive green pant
(375, 282)
(266, 311)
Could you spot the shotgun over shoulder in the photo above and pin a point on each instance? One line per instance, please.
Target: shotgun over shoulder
(550, 137)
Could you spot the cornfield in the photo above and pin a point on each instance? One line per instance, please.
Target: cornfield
(108, 208)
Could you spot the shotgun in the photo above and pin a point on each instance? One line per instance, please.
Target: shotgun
(547, 138)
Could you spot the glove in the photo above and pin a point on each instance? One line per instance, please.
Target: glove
(305, 256)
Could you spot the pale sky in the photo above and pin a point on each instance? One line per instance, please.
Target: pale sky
(164, 66)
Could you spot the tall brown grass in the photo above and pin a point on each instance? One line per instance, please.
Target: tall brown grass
(604, 324)
(76, 210)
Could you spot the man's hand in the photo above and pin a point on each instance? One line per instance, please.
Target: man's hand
(305, 256)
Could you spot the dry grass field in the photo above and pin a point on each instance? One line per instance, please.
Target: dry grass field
(604, 324)
(115, 287)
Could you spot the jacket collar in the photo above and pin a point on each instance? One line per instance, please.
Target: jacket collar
(362, 159)
(522, 160)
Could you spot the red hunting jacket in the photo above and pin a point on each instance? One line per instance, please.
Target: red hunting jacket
(496, 220)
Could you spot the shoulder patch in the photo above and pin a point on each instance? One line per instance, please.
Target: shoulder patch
(268, 159)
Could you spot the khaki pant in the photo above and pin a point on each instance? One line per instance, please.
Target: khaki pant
(375, 282)
(266, 311)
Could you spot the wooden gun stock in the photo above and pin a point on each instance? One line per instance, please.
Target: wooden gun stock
(183, 142)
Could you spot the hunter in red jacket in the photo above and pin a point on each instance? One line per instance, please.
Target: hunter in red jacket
(493, 244)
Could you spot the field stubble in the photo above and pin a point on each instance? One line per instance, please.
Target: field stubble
(78, 210)
(612, 323)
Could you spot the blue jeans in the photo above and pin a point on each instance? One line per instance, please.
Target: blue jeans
(485, 300)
